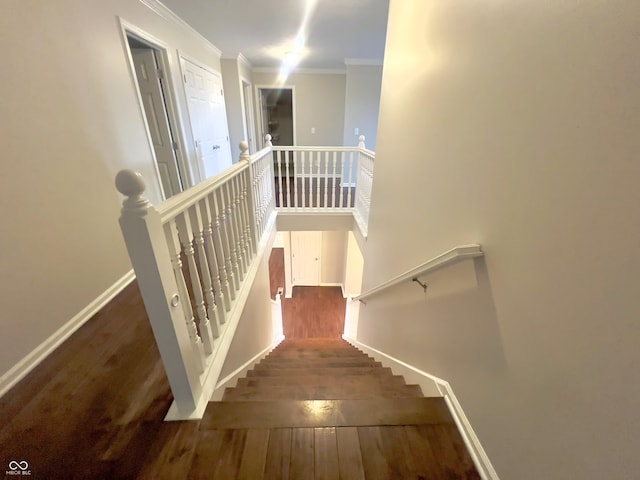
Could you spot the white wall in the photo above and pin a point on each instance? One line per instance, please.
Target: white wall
(514, 124)
(318, 102)
(333, 257)
(362, 102)
(354, 267)
(255, 329)
(70, 120)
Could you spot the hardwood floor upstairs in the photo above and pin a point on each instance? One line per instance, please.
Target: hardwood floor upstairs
(320, 408)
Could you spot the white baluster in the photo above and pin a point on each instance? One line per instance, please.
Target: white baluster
(334, 181)
(318, 160)
(214, 270)
(210, 328)
(304, 180)
(234, 203)
(227, 238)
(151, 259)
(247, 193)
(350, 180)
(221, 251)
(279, 160)
(173, 243)
(326, 178)
(296, 175)
(242, 235)
(342, 177)
(186, 237)
(289, 156)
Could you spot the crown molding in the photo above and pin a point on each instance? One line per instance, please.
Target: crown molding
(244, 60)
(368, 62)
(163, 11)
(302, 71)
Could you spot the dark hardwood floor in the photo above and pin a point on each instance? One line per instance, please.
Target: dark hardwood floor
(312, 312)
(95, 407)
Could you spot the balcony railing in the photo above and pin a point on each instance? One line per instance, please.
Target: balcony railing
(196, 254)
(328, 179)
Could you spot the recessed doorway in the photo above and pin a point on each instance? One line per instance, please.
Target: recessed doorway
(151, 74)
(277, 114)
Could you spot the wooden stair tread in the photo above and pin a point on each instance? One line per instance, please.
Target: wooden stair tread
(326, 392)
(295, 371)
(320, 380)
(326, 413)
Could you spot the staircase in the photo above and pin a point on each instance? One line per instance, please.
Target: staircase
(320, 408)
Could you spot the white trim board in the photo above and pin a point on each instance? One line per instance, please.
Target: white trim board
(42, 351)
(427, 382)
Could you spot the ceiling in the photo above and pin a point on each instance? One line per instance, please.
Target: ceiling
(333, 30)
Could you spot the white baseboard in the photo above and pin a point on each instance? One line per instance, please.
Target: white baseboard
(479, 456)
(33, 359)
(240, 372)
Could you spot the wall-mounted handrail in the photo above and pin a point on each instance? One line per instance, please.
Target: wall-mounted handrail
(447, 258)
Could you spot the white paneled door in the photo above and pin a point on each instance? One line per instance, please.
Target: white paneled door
(306, 249)
(149, 82)
(208, 118)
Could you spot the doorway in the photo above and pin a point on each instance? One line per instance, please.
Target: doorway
(277, 114)
(151, 81)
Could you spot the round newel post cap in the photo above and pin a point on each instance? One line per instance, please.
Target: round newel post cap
(244, 151)
(267, 140)
(361, 141)
(131, 184)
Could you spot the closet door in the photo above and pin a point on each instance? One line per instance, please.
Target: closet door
(208, 117)
(306, 248)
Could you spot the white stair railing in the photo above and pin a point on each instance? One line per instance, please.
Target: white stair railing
(191, 255)
(194, 253)
(328, 179)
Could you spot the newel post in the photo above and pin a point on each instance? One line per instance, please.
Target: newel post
(250, 194)
(361, 141)
(267, 141)
(149, 253)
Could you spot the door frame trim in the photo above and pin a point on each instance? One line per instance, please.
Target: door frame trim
(173, 112)
(249, 124)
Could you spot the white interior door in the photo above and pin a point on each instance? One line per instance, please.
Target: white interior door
(149, 84)
(306, 250)
(208, 119)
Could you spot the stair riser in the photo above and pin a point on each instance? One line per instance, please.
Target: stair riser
(329, 363)
(320, 393)
(320, 380)
(326, 413)
(276, 372)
